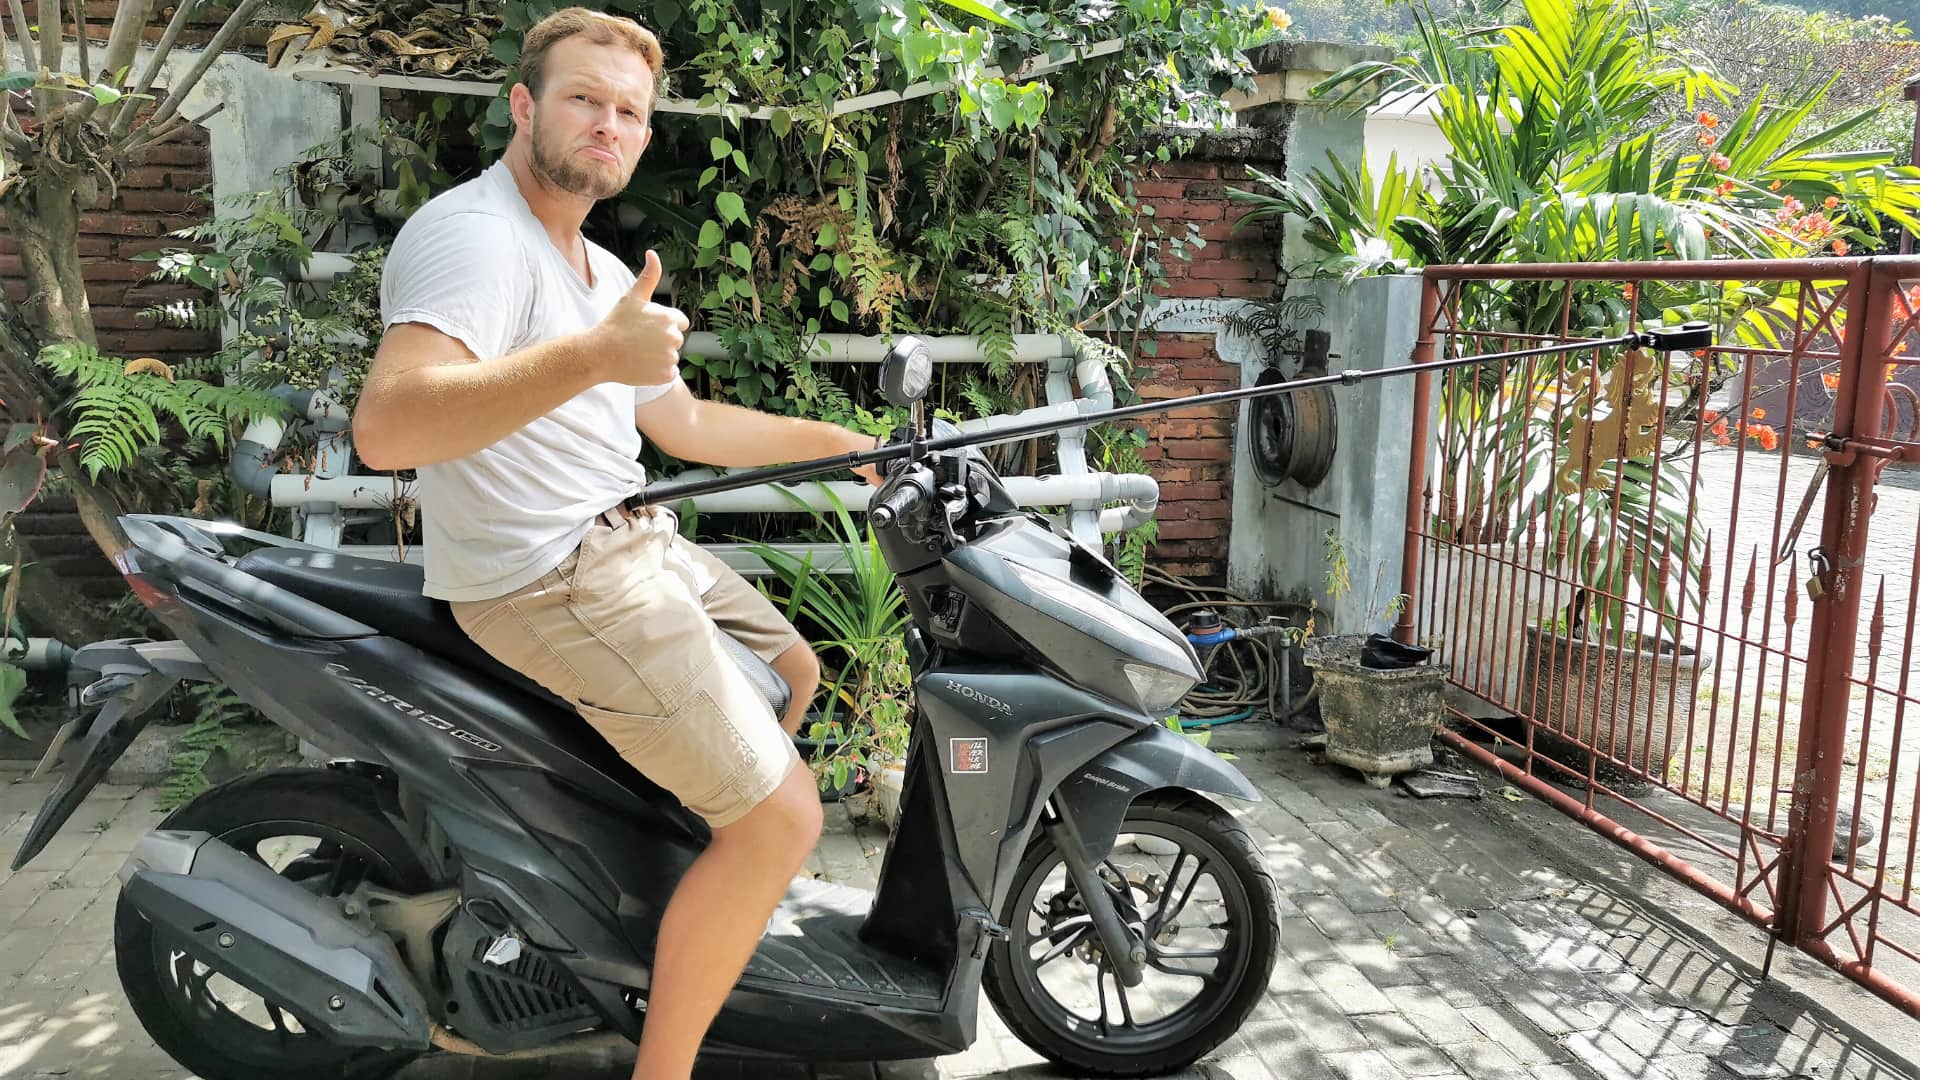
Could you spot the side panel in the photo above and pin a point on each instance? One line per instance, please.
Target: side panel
(993, 783)
(506, 777)
(1099, 794)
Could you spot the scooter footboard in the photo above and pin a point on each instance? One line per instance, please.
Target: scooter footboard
(1098, 794)
(268, 934)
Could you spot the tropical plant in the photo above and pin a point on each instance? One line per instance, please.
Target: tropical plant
(1581, 137)
(857, 618)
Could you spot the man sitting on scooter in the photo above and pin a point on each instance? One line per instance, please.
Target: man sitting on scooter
(519, 368)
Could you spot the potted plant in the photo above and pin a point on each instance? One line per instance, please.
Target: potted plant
(1590, 682)
(857, 618)
(1380, 704)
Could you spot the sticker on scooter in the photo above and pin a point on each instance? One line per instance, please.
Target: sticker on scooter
(437, 723)
(969, 755)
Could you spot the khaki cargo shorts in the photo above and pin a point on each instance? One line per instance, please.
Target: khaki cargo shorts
(625, 630)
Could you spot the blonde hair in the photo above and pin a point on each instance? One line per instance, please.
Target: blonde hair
(601, 29)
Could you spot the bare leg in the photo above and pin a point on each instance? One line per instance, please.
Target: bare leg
(802, 670)
(715, 919)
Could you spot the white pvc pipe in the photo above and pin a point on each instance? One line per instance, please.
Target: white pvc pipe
(378, 492)
(870, 349)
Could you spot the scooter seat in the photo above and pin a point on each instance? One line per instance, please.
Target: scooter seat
(389, 598)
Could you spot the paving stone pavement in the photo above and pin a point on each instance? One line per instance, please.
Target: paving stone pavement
(1419, 939)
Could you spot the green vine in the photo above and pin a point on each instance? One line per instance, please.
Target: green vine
(999, 205)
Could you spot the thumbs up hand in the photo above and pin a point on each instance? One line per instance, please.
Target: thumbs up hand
(638, 342)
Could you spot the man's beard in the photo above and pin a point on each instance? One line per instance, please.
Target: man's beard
(567, 173)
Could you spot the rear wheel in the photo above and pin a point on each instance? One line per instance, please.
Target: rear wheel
(322, 829)
(1188, 882)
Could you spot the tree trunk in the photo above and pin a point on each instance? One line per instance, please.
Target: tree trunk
(57, 309)
(49, 603)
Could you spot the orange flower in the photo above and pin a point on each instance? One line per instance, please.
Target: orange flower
(1719, 428)
(1892, 370)
(1629, 291)
(1830, 381)
(1757, 414)
(1719, 162)
(1709, 415)
(1816, 223)
(1723, 440)
(1839, 247)
(1792, 204)
(1726, 187)
(1706, 139)
(1767, 439)
(1831, 202)
(1775, 184)
(1708, 119)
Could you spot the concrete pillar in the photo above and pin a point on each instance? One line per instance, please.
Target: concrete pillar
(1280, 533)
(270, 120)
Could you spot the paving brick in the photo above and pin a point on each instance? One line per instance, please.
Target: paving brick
(1319, 1022)
(1350, 989)
(1609, 1058)
(1566, 1071)
(1640, 1034)
(1291, 1045)
(1254, 1067)
(1517, 1034)
(1430, 1014)
(1484, 1060)
(1404, 1045)
(1402, 936)
(1365, 1065)
(1555, 1017)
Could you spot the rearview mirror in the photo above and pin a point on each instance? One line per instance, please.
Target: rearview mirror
(905, 372)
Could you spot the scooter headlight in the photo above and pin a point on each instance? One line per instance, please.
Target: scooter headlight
(1157, 689)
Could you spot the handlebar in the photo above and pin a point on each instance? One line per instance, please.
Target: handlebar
(900, 500)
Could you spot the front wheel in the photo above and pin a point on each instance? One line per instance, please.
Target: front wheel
(1188, 882)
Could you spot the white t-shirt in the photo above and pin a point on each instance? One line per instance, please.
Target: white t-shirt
(475, 264)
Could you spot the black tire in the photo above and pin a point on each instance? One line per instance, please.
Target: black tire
(1239, 976)
(208, 1040)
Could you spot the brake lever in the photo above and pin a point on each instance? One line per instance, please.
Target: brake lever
(952, 503)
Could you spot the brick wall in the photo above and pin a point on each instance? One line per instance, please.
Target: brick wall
(155, 198)
(1190, 451)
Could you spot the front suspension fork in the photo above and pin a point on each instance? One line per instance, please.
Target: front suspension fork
(1126, 953)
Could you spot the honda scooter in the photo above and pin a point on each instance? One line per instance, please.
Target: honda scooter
(479, 872)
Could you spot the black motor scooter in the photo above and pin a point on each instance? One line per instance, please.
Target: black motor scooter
(480, 872)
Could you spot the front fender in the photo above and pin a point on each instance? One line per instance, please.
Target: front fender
(1097, 795)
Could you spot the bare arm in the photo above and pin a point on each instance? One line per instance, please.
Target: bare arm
(428, 399)
(712, 433)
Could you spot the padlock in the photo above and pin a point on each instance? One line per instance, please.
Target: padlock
(1819, 582)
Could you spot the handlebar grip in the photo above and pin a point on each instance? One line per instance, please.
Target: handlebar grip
(901, 500)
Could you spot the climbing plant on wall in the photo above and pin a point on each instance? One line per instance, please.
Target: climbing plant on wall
(999, 204)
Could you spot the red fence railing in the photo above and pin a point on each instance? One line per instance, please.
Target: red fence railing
(1680, 589)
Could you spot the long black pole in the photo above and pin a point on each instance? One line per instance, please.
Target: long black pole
(1692, 336)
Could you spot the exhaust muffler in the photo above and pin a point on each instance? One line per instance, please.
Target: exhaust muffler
(342, 980)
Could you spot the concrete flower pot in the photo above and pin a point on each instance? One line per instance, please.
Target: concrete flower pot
(1631, 701)
(1379, 722)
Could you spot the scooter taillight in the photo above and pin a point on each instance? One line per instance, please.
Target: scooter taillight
(151, 596)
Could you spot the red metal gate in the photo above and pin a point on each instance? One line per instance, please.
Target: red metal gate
(1680, 591)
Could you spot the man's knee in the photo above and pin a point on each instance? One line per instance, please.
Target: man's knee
(788, 821)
